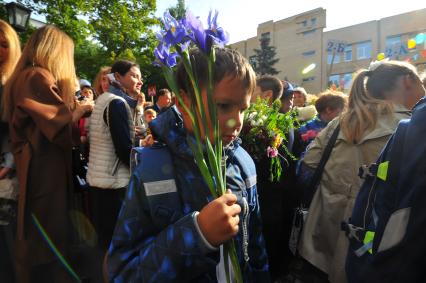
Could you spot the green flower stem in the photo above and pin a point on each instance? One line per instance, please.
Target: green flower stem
(230, 247)
(189, 70)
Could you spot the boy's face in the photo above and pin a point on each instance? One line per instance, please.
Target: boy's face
(298, 99)
(87, 92)
(149, 117)
(267, 94)
(231, 100)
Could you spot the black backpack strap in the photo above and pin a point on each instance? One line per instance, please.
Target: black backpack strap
(309, 194)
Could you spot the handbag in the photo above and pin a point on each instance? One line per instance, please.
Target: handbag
(301, 212)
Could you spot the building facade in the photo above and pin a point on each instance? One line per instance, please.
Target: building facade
(300, 41)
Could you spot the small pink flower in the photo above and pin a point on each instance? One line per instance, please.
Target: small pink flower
(271, 152)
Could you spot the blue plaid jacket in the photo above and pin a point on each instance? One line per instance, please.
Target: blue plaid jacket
(161, 243)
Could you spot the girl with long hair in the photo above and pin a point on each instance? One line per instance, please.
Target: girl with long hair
(42, 112)
(379, 98)
(10, 51)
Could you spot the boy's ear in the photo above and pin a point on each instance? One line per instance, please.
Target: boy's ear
(267, 94)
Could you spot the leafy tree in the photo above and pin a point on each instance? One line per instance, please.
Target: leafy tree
(102, 30)
(179, 11)
(124, 27)
(265, 57)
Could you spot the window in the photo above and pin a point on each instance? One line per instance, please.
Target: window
(394, 48)
(252, 60)
(392, 40)
(308, 79)
(308, 32)
(347, 81)
(348, 53)
(333, 79)
(364, 50)
(266, 35)
(305, 23)
(313, 21)
(330, 57)
(309, 53)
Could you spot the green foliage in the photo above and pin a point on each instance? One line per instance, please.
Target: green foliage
(103, 31)
(179, 11)
(265, 57)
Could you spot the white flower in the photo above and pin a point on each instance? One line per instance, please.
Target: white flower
(306, 113)
(375, 64)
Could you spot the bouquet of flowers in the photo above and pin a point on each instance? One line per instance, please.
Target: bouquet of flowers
(264, 133)
(174, 42)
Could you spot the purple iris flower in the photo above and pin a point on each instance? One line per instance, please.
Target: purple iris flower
(220, 36)
(164, 56)
(175, 30)
(197, 33)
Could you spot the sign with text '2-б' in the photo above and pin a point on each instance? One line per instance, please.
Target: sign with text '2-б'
(335, 46)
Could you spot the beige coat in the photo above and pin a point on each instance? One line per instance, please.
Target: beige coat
(323, 243)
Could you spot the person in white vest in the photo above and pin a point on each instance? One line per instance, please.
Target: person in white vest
(112, 133)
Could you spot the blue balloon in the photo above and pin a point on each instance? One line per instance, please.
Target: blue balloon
(420, 38)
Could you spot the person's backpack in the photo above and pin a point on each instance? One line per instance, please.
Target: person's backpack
(387, 230)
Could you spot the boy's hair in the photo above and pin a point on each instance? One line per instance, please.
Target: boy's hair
(330, 99)
(150, 111)
(228, 62)
(270, 83)
(162, 92)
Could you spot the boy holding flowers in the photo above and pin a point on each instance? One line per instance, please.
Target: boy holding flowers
(174, 231)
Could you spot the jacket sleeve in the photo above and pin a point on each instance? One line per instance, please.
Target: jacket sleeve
(42, 101)
(258, 256)
(140, 251)
(119, 128)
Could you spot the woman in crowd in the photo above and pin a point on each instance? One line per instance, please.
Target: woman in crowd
(112, 133)
(101, 82)
(378, 99)
(10, 51)
(42, 112)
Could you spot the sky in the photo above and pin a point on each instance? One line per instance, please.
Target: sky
(241, 17)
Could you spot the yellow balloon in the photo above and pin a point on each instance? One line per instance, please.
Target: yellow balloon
(411, 44)
(380, 56)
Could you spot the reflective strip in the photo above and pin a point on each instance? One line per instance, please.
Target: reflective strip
(368, 240)
(251, 181)
(362, 250)
(375, 218)
(160, 187)
(382, 172)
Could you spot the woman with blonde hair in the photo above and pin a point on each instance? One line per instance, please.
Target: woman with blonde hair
(10, 51)
(42, 110)
(101, 82)
(379, 98)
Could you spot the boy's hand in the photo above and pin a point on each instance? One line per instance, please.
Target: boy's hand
(218, 220)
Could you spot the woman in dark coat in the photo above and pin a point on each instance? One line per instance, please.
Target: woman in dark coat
(41, 109)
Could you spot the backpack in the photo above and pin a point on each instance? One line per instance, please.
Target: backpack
(387, 229)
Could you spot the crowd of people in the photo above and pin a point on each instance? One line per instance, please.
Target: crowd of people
(68, 145)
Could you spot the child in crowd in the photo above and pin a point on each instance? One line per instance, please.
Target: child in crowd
(149, 115)
(158, 240)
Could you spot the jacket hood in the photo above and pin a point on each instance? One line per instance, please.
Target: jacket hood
(131, 101)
